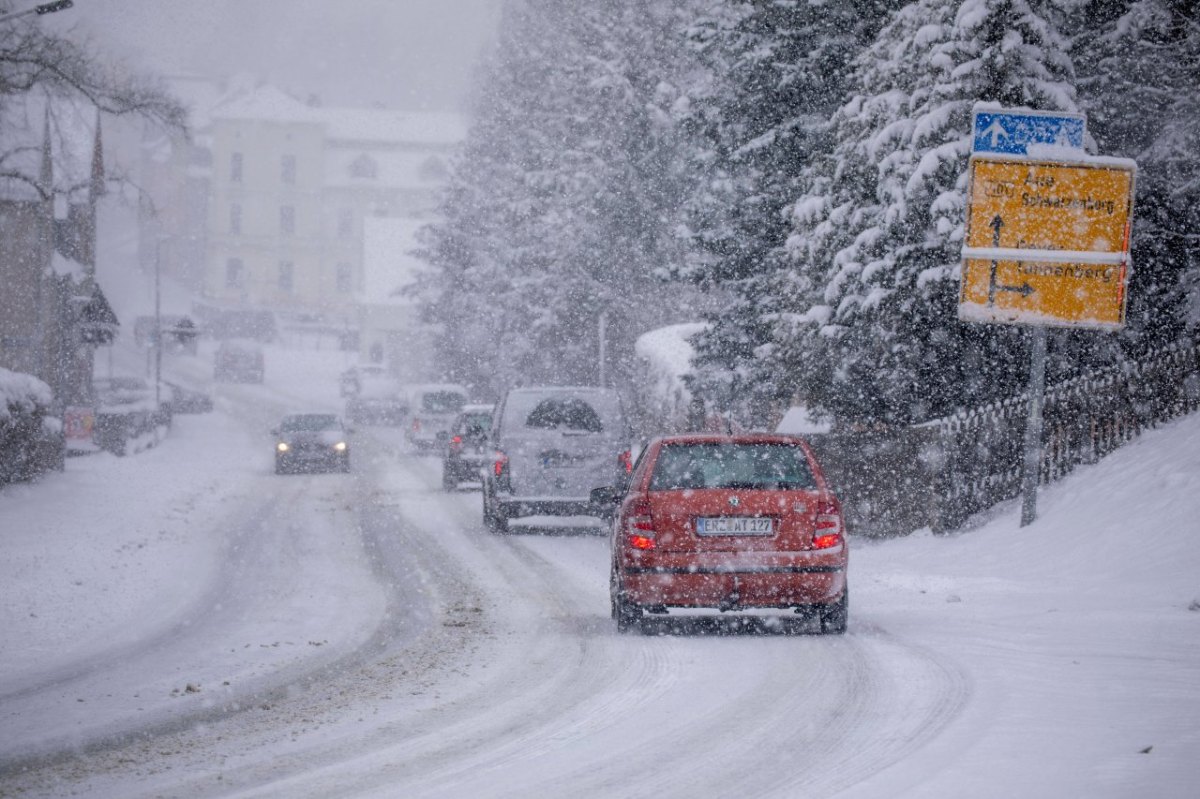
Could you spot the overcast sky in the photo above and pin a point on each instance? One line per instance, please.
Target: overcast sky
(409, 54)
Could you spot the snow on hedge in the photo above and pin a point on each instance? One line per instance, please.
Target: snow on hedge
(21, 392)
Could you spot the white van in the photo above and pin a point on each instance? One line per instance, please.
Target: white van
(433, 408)
(553, 445)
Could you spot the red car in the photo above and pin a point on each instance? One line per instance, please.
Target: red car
(728, 523)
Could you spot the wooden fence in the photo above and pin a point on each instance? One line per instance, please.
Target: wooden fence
(936, 475)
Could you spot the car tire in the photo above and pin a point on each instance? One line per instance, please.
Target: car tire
(448, 481)
(279, 467)
(493, 517)
(627, 615)
(834, 617)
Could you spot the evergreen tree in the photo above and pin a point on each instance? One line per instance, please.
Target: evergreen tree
(563, 203)
(774, 71)
(1139, 66)
(871, 295)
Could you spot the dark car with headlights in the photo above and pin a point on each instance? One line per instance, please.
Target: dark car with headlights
(311, 442)
(468, 450)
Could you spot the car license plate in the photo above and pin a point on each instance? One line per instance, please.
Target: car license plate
(735, 525)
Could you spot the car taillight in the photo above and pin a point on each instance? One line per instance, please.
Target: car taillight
(416, 425)
(500, 469)
(639, 525)
(456, 444)
(828, 529)
(626, 461)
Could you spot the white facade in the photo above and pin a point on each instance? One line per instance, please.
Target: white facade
(291, 188)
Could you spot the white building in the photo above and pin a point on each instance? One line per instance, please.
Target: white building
(271, 205)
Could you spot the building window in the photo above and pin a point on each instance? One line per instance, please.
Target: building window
(345, 223)
(287, 219)
(234, 273)
(235, 218)
(364, 167)
(286, 271)
(235, 168)
(288, 170)
(345, 278)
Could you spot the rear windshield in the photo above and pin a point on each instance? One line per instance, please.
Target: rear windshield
(442, 402)
(565, 413)
(718, 465)
(474, 423)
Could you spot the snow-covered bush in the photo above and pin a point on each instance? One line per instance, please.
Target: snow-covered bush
(30, 440)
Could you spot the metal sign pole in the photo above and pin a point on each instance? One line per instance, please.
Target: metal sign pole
(1033, 425)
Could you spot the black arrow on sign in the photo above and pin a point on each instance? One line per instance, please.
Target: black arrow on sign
(996, 224)
(1024, 289)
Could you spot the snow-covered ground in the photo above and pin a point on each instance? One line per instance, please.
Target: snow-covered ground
(185, 623)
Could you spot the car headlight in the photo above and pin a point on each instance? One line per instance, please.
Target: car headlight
(282, 446)
(340, 446)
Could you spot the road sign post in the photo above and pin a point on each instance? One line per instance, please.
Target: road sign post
(1047, 242)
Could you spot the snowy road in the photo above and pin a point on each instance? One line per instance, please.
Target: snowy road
(217, 630)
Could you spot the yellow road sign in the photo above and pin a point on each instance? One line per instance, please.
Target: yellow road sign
(1047, 243)
(1043, 293)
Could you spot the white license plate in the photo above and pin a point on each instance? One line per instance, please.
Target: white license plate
(735, 525)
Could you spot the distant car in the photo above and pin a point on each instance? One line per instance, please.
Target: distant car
(727, 523)
(307, 442)
(125, 410)
(375, 396)
(433, 408)
(468, 450)
(551, 447)
(189, 400)
(238, 361)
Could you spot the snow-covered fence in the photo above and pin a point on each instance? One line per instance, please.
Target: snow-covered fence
(936, 475)
(1084, 419)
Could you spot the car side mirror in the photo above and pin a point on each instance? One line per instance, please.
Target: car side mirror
(606, 496)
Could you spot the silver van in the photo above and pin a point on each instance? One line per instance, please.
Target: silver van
(553, 445)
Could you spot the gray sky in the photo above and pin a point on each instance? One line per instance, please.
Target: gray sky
(407, 54)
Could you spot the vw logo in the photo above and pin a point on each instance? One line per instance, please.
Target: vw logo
(734, 501)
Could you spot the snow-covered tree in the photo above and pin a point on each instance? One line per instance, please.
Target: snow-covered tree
(870, 325)
(773, 72)
(1139, 65)
(562, 205)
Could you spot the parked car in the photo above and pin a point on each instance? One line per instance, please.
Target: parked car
(727, 523)
(189, 400)
(126, 410)
(307, 442)
(375, 396)
(176, 332)
(238, 360)
(552, 446)
(434, 407)
(468, 450)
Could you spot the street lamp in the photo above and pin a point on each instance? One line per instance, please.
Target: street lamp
(40, 10)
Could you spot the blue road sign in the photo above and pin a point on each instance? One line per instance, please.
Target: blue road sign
(1011, 132)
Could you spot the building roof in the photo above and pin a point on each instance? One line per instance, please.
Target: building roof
(267, 103)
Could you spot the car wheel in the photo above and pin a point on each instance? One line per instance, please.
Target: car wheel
(448, 481)
(627, 615)
(835, 616)
(493, 517)
(345, 464)
(279, 468)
